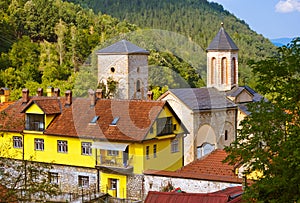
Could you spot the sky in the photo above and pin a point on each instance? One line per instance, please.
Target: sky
(271, 18)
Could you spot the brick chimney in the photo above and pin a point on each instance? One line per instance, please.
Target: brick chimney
(92, 97)
(68, 95)
(99, 94)
(25, 95)
(56, 92)
(150, 95)
(40, 92)
(49, 91)
(4, 95)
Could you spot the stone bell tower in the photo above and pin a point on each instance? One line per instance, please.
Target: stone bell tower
(222, 62)
(127, 64)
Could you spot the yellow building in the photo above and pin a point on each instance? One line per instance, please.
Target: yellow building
(99, 143)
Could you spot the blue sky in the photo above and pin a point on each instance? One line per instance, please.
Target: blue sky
(271, 18)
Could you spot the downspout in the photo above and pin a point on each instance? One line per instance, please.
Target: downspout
(23, 159)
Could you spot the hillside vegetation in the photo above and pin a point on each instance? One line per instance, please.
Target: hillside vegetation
(197, 20)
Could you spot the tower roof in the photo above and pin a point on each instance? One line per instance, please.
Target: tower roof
(222, 41)
(122, 47)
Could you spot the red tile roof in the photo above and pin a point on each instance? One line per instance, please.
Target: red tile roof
(229, 195)
(209, 167)
(135, 117)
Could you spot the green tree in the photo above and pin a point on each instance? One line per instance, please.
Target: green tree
(269, 140)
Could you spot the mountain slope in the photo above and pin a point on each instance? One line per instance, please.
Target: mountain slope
(197, 20)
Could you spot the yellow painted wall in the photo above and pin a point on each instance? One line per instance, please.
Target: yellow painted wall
(35, 109)
(120, 192)
(165, 113)
(136, 151)
(50, 154)
(165, 159)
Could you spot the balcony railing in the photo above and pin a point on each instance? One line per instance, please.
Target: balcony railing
(115, 163)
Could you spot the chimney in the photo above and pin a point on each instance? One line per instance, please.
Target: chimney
(150, 95)
(25, 95)
(4, 95)
(92, 97)
(68, 95)
(99, 94)
(56, 92)
(49, 91)
(40, 92)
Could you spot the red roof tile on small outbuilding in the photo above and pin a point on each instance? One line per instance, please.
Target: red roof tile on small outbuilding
(209, 167)
(229, 195)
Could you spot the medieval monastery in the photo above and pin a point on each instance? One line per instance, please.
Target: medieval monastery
(111, 145)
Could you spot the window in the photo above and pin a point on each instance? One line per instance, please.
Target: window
(35, 122)
(164, 126)
(212, 73)
(154, 151)
(114, 122)
(138, 86)
(62, 146)
(18, 143)
(83, 181)
(226, 135)
(86, 148)
(151, 130)
(53, 178)
(224, 71)
(94, 120)
(38, 144)
(175, 145)
(113, 183)
(112, 152)
(147, 152)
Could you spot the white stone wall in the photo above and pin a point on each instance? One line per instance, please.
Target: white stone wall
(155, 183)
(127, 70)
(217, 73)
(68, 178)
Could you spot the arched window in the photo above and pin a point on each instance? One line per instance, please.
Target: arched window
(224, 70)
(138, 86)
(212, 70)
(234, 70)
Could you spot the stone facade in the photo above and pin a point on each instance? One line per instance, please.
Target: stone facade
(130, 71)
(135, 184)
(68, 178)
(155, 183)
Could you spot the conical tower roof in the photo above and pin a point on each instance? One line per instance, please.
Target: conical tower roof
(222, 42)
(122, 47)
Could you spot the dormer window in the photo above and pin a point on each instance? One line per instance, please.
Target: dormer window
(164, 126)
(35, 122)
(115, 121)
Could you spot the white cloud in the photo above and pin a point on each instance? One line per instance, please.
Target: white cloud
(286, 6)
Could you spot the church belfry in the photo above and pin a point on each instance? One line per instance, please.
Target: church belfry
(126, 64)
(222, 62)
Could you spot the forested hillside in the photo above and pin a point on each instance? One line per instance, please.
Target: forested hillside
(50, 43)
(198, 20)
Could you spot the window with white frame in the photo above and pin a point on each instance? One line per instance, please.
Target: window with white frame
(147, 152)
(53, 178)
(35, 122)
(62, 146)
(86, 148)
(38, 144)
(175, 145)
(83, 181)
(17, 142)
(112, 152)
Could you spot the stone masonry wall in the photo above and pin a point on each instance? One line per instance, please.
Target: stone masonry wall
(155, 183)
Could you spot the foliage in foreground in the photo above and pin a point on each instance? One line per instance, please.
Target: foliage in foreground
(269, 140)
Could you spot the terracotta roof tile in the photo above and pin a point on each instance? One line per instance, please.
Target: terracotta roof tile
(232, 194)
(49, 105)
(135, 119)
(209, 167)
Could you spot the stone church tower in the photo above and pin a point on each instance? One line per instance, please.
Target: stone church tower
(222, 62)
(126, 64)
